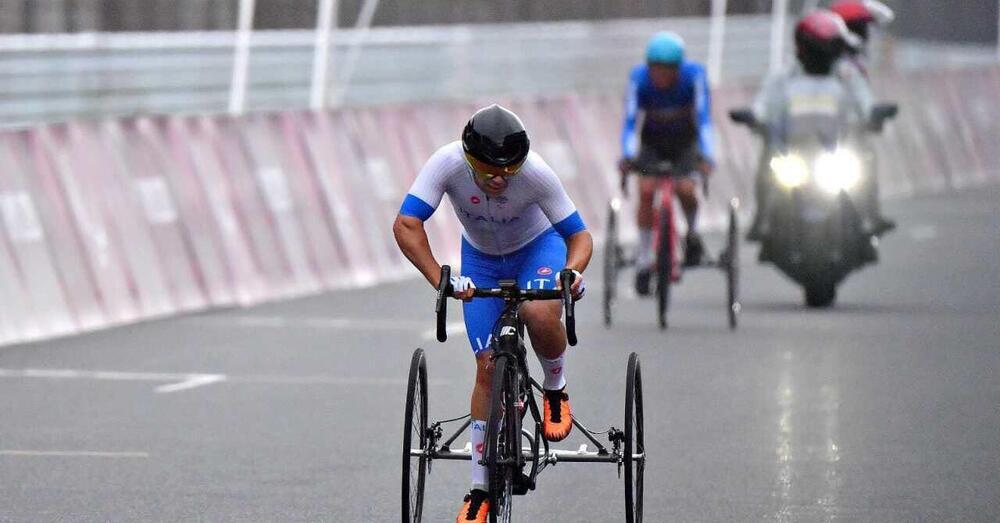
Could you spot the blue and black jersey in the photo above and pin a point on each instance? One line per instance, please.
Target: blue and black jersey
(674, 118)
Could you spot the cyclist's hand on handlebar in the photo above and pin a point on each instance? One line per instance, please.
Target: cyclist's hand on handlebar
(625, 167)
(578, 289)
(706, 168)
(463, 287)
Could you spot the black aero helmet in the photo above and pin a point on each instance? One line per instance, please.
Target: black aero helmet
(496, 136)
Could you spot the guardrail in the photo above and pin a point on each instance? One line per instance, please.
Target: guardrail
(113, 221)
(70, 76)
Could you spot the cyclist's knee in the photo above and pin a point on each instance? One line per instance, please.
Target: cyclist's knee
(646, 191)
(686, 188)
(540, 313)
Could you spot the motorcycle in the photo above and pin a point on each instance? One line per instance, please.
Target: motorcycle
(812, 228)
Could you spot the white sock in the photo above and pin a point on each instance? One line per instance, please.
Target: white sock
(477, 433)
(645, 258)
(555, 375)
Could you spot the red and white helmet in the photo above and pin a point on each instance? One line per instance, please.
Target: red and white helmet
(860, 14)
(821, 37)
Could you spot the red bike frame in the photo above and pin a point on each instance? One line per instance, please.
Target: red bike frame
(666, 193)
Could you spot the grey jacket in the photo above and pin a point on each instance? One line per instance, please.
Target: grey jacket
(793, 105)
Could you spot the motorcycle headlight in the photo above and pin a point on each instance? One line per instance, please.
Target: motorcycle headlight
(790, 170)
(837, 171)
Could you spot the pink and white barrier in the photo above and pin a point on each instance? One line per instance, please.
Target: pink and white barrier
(116, 221)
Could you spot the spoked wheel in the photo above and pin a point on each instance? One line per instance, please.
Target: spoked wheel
(634, 459)
(415, 439)
(612, 262)
(502, 442)
(664, 264)
(732, 266)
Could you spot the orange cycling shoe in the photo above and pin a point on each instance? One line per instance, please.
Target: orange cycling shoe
(558, 419)
(476, 507)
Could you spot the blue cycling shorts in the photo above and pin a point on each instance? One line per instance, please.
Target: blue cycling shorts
(534, 266)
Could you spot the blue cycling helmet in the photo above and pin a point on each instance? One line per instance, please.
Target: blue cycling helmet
(665, 47)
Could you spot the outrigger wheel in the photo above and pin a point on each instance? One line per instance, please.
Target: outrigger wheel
(415, 432)
(612, 259)
(731, 264)
(634, 455)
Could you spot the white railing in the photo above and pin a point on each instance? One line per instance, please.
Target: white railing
(58, 77)
(46, 77)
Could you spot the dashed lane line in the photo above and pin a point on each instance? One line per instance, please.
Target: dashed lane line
(73, 454)
(176, 382)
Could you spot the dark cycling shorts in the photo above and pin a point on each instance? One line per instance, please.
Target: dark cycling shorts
(685, 160)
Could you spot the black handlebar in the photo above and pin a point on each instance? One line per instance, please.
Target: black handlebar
(744, 115)
(566, 278)
(441, 308)
(516, 294)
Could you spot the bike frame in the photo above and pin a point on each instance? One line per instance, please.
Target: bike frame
(512, 396)
(509, 344)
(512, 348)
(666, 193)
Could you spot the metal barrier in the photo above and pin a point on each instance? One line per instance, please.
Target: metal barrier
(113, 221)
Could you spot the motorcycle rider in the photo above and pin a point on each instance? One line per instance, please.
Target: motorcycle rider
(860, 16)
(821, 40)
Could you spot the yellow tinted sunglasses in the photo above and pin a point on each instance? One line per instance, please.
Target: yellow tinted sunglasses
(488, 172)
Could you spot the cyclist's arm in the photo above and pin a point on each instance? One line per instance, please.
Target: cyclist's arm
(420, 203)
(580, 247)
(561, 211)
(630, 138)
(703, 112)
(412, 240)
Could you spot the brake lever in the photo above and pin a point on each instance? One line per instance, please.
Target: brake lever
(441, 308)
(566, 278)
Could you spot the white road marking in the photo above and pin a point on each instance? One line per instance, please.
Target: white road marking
(283, 322)
(179, 381)
(73, 454)
(197, 380)
(326, 380)
(923, 232)
(451, 328)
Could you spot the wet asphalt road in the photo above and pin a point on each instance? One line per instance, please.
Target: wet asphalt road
(886, 408)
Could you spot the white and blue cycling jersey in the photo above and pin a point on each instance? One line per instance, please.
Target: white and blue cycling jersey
(517, 235)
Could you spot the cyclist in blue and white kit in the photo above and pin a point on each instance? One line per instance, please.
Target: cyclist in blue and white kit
(672, 95)
(519, 223)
